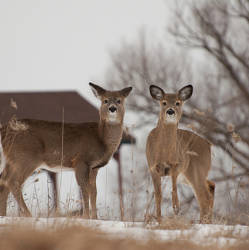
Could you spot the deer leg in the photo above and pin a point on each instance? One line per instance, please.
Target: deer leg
(93, 192)
(158, 194)
(204, 198)
(16, 189)
(175, 201)
(205, 195)
(211, 187)
(202, 189)
(14, 180)
(4, 192)
(82, 176)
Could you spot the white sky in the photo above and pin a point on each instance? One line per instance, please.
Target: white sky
(63, 44)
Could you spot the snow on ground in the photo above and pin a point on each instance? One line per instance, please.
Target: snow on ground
(202, 234)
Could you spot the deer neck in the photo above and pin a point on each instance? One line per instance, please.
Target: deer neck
(169, 132)
(168, 140)
(110, 134)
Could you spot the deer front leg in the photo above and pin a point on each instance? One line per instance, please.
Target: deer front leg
(93, 192)
(175, 201)
(158, 194)
(82, 176)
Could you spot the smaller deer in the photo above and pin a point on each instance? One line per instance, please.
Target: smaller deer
(172, 152)
(84, 148)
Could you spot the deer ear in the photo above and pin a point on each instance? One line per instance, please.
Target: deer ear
(185, 92)
(156, 92)
(126, 91)
(97, 90)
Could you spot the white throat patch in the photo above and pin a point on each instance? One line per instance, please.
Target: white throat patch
(113, 118)
(170, 119)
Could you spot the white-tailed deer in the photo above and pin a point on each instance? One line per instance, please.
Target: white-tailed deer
(172, 151)
(86, 147)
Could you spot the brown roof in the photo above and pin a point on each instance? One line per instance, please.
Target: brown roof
(47, 106)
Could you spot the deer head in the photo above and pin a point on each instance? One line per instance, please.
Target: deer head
(112, 103)
(171, 104)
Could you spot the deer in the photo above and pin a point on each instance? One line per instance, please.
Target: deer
(27, 144)
(175, 152)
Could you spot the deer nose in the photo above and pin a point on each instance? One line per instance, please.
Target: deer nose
(112, 109)
(170, 112)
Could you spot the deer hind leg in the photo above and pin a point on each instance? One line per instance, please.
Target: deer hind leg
(82, 176)
(158, 194)
(93, 193)
(211, 187)
(196, 175)
(204, 198)
(17, 175)
(4, 191)
(19, 172)
(16, 189)
(12, 182)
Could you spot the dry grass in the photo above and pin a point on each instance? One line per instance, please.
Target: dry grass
(174, 223)
(80, 238)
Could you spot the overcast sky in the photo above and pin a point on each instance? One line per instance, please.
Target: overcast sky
(64, 44)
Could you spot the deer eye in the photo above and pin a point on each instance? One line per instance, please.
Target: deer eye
(105, 101)
(118, 101)
(164, 103)
(177, 103)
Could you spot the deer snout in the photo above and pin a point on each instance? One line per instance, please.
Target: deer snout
(112, 109)
(170, 112)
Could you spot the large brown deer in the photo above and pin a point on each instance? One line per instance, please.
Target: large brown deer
(86, 147)
(173, 152)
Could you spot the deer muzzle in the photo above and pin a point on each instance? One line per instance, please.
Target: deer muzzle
(112, 109)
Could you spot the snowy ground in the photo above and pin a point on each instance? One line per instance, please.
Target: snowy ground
(201, 234)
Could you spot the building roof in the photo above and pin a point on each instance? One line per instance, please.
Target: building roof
(47, 106)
